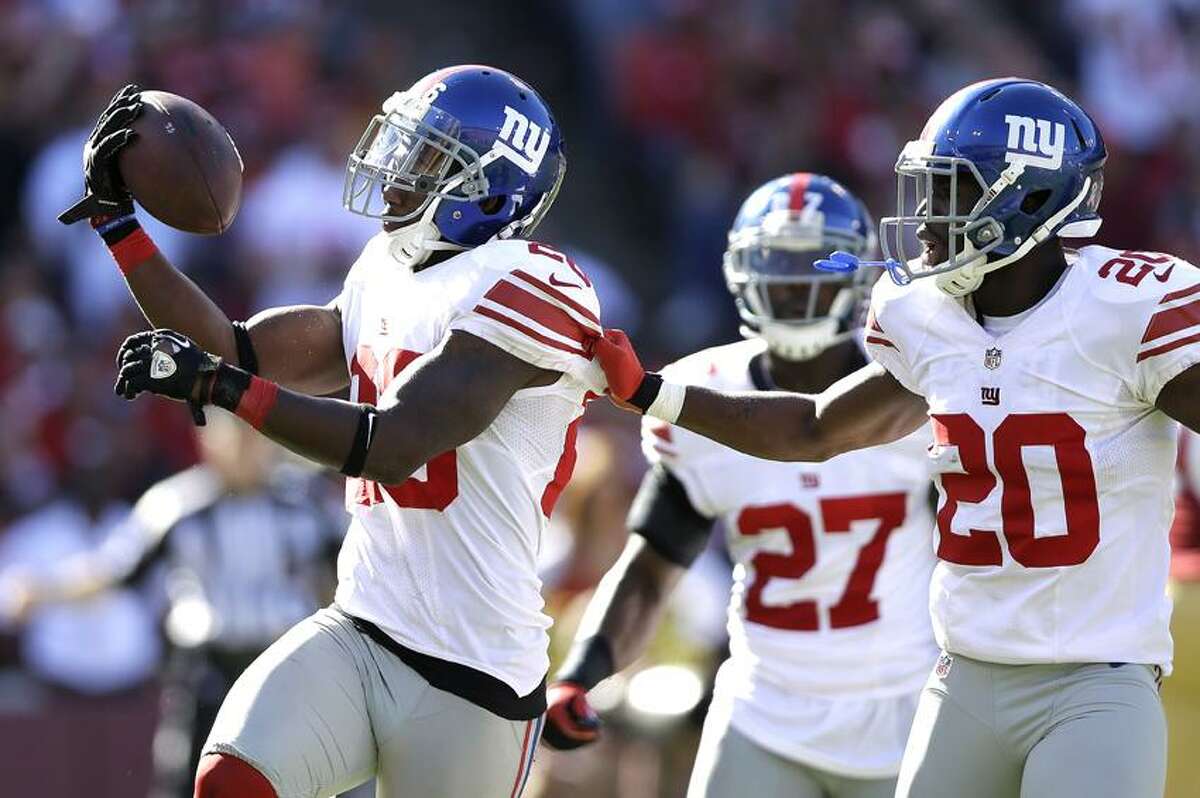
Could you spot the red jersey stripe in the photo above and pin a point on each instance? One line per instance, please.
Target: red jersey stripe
(796, 190)
(559, 295)
(875, 339)
(1167, 347)
(566, 462)
(533, 307)
(534, 334)
(1170, 321)
(1180, 294)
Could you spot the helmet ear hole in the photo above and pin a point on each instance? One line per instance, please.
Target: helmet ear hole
(492, 205)
(1034, 200)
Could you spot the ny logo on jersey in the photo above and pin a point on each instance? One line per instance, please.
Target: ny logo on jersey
(989, 396)
(521, 141)
(1030, 141)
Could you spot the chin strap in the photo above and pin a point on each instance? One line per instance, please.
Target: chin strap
(411, 245)
(969, 277)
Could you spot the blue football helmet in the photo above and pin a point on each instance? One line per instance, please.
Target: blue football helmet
(476, 144)
(780, 230)
(1037, 158)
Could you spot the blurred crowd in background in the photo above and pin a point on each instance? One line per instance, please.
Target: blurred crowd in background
(672, 111)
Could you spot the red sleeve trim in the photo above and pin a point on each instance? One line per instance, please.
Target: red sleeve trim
(534, 334)
(1180, 294)
(1170, 321)
(1167, 347)
(559, 295)
(875, 339)
(533, 307)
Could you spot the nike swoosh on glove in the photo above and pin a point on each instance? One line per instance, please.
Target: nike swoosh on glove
(570, 720)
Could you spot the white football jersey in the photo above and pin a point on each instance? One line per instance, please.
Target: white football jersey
(1054, 467)
(831, 578)
(444, 562)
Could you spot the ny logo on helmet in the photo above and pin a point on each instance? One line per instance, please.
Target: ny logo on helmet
(521, 141)
(1027, 137)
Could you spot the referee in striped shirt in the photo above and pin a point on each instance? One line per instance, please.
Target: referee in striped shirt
(237, 549)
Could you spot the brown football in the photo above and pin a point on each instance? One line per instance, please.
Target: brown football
(183, 166)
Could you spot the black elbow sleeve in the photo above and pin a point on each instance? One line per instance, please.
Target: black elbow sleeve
(663, 515)
(247, 359)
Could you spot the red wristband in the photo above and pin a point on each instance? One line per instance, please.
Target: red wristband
(257, 401)
(133, 250)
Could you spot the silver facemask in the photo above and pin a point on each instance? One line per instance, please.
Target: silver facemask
(780, 252)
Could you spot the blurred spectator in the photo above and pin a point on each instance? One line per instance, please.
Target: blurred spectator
(1181, 692)
(240, 547)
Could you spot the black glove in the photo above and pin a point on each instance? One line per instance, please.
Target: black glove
(106, 194)
(169, 364)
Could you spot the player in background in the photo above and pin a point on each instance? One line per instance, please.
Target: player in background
(1053, 379)
(463, 348)
(1181, 693)
(829, 621)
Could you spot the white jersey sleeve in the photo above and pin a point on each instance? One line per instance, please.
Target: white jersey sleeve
(536, 304)
(1170, 324)
(1150, 306)
(887, 338)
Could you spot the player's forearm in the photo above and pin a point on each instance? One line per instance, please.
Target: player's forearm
(774, 425)
(168, 298)
(629, 602)
(391, 445)
(324, 430)
(866, 408)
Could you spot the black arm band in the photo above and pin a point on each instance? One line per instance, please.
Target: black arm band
(363, 435)
(663, 514)
(228, 385)
(588, 663)
(247, 360)
(647, 392)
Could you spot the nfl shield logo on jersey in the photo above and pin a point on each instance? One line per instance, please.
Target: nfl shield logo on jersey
(991, 358)
(944, 663)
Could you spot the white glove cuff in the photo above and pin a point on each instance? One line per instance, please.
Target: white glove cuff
(669, 402)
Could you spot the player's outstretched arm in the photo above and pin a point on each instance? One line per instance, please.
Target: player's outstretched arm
(446, 398)
(867, 408)
(298, 347)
